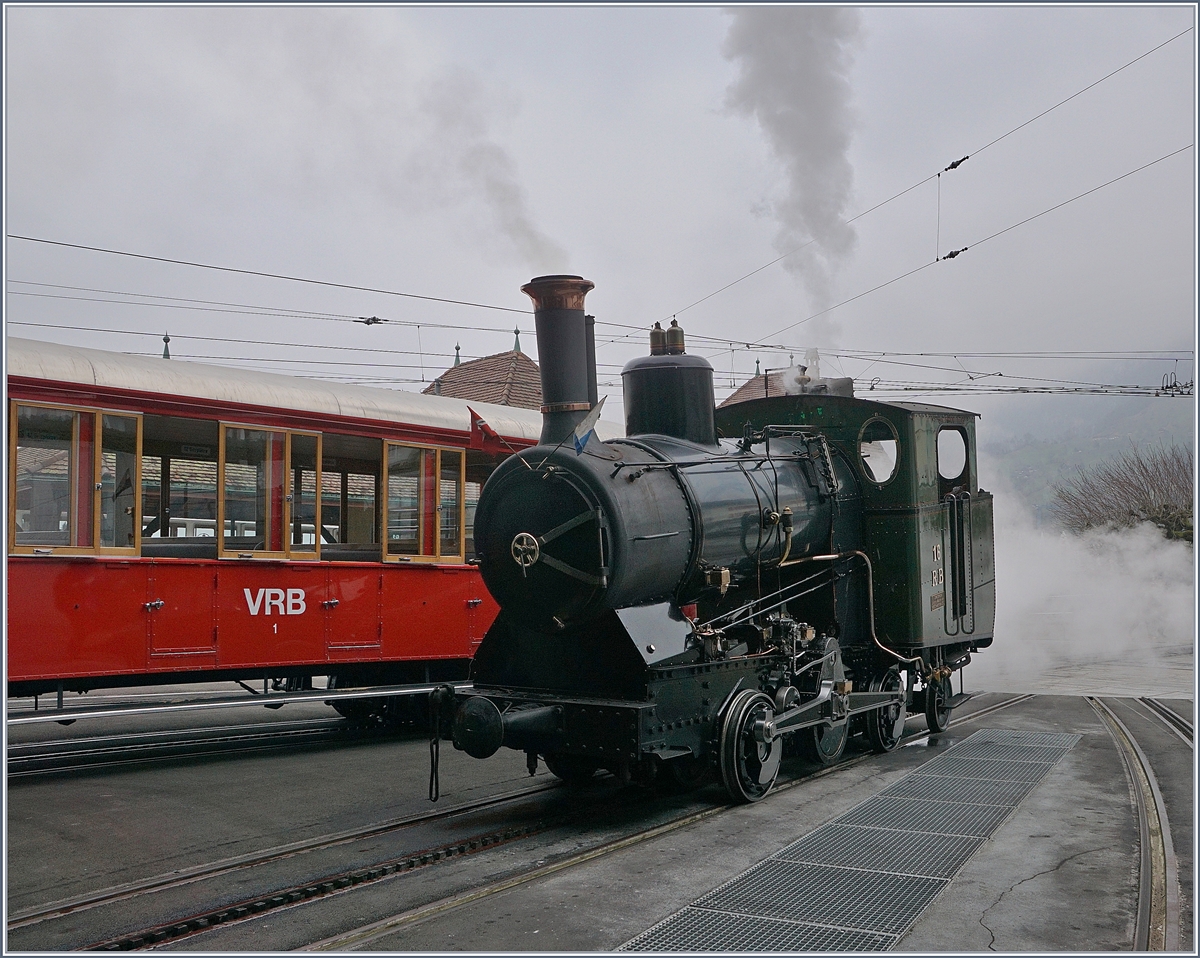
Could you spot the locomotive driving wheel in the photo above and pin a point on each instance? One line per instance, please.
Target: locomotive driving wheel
(886, 725)
(748, 764)
(937, 707)
(824, 744)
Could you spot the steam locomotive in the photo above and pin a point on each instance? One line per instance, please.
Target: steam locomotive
(720, 586)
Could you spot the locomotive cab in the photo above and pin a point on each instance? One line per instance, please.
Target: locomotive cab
(926, 523)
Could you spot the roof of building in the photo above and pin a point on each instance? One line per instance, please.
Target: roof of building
(507, 379)
(761, 386)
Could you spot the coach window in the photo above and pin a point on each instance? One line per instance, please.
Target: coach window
(300, 497)
(251, 479)
(480, 465)
(119, 482)
(350, 483)
(952, 460)
(73, 480)
(51, 485)
(450, 502)
(878, 450)
(179, 487)
(424, 503)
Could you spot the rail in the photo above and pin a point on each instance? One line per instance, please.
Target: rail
(260, 699)
(1180, 726)
(1156, 927)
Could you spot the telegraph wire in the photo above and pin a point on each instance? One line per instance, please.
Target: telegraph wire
(220, 339)
(373, 350)
(255, 310)
(1109, 356)
(252, 272)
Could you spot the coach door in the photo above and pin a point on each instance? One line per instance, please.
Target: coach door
(353, 610)
(181, 608)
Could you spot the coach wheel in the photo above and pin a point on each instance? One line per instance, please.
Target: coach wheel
(358, 711)
(824, 744)
(937, 707)
(886, 725)
(572, 769)
(749, 765)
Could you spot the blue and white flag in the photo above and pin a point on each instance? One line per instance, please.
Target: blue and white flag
(587, 427)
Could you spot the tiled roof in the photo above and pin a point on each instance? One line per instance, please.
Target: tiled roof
(508, 379)
(756, 388)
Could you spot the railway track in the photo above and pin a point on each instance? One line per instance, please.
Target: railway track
(582, 809)
(1170, 718)
(187, 876)
(138, 748)
(1157, 925)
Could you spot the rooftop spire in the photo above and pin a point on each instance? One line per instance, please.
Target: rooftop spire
(166, 346)
(517, 343)
(456, 349)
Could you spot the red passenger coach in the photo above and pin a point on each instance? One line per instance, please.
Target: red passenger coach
(176, 522)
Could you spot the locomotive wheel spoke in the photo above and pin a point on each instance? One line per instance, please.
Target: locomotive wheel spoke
(824, 744)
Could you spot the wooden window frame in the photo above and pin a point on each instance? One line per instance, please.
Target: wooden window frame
(97, 414)
(288, 551)
(438, 556)
(136, 548)
(289, 495)
(222, 551)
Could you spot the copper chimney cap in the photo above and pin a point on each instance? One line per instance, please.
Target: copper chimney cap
(557, 292)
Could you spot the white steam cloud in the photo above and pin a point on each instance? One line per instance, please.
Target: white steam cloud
(795, 65)
(1107, 612)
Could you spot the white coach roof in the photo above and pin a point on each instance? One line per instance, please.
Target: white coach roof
(222, 384)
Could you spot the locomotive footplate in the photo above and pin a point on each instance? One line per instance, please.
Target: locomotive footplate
(680, 718)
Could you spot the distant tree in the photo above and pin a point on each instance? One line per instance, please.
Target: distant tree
(1142, 485)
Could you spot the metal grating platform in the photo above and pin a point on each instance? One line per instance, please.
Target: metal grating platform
(859, 882)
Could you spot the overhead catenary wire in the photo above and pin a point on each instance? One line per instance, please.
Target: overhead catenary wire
(699, 338)
(1028, 219)
(206, 305)
(253, 272)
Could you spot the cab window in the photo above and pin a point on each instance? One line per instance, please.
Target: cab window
(878, 451)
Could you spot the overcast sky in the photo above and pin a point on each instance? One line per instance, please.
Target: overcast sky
(663, 153)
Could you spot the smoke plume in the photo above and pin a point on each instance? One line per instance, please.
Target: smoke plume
(795, 65)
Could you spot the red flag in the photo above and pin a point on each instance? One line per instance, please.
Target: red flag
(482, 435)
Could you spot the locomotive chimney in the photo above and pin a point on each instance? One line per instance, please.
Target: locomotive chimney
(566, 352)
